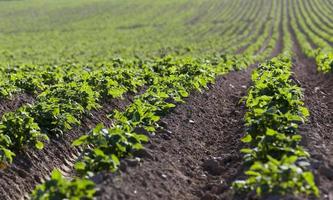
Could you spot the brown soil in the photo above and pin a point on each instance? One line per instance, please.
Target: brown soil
(317, 132)
(31, 166)
(196, 157)
(7, 105)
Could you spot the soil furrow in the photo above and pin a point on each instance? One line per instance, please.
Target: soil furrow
(8, 105)
(317, 132)
(196, 156)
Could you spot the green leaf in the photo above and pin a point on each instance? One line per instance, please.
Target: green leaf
(80, 140)
(141, 138)
(56, 174)
(296, 137)
(247, 138)
(80, 166)
(116, 92)
(270, 132)
(39, 145)
(252, 173)
(115, 159)
(99, 152)
(8, 154)
(308, 176)
(247, 151)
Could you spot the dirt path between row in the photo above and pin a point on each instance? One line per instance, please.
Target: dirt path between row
(8, 105)
(318, 131)
(197, 156)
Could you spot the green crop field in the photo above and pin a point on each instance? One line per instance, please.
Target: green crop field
(177, 99)
(93, 31)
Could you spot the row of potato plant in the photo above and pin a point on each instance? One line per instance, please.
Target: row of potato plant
(277, 162)
(132, 127)
(248, 32)
(62, 105)
(303, 27)
(324, 55)
(109, 145)
(33, 79)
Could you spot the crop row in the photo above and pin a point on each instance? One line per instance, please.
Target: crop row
(181, 34)
(277, 162)
(69, 92)
(65, 98)
(265, 43)
(247, 31)
(305, 30)
(32, 79)
(239, 26)
(322, 11)
(324, 55)
(133, 126)
(36, 78)
(64, 104)
(106, 146)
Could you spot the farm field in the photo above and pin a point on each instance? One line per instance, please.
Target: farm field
(177, 99)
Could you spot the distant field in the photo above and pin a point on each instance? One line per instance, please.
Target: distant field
(166, 99)
(57, 31)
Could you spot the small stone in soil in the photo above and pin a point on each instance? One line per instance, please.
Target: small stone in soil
(316, 89)
(164, 176)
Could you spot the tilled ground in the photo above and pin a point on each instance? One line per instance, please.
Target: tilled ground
(318, 131)
(197, 154)
(196, 157)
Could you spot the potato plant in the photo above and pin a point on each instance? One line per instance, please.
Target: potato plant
(277, 162)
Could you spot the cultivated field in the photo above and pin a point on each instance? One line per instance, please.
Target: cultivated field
(167, 99)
